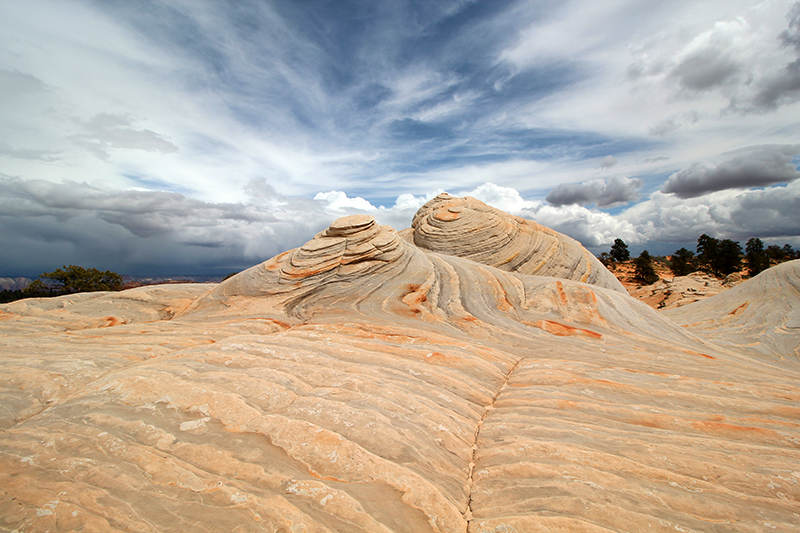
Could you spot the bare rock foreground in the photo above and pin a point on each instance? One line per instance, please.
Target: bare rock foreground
(431, 380)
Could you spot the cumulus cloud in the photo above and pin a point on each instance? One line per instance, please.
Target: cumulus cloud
(710, 59)
(756, 166)
(591, 228)
(744, 63)
(603, 193)
(766, 213)
(340, 202)
(504, 198)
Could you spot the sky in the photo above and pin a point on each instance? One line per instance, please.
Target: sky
(157, 137)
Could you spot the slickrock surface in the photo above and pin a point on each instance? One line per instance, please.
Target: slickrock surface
(760, 316)
(678, 291)
(466, 227)
(362, 383)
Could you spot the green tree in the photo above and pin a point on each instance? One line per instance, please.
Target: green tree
(789, 253)
(682, 262)
(71, 279)
(775, 252)
(757, 258)
(10, 296)
(644, 268)
(619, 251)
(728, 259)
(707, 248)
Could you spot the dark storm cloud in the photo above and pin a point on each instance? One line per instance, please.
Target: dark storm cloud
(602, 193)
(773, 212)
(44, 225)
(757, 166)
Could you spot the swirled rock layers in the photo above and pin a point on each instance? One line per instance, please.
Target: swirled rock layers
(466, 227)
(363, 384)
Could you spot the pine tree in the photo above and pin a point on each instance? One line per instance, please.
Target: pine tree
(619, 251)
(644, 268)
(757, 258)
(682, 262)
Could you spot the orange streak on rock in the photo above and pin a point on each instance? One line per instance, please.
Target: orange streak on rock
(561, 293)
(721, 427)
(700, 354)
(739, 309)
(562, 330)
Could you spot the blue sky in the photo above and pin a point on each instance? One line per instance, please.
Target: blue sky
(205, 136)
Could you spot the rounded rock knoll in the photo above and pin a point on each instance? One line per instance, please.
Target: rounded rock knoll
(467, 227)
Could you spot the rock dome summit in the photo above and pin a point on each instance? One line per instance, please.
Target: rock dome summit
(476, 372)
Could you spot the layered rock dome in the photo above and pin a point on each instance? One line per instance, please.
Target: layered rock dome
(475, 373)
(466, 227)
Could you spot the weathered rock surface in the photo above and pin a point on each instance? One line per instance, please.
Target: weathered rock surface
(760, 316)
(682, 290)
(466, 227)
(362, 383)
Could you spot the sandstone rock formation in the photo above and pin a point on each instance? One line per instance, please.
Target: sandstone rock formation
(760, 316)
(466, 227)
(365, 383)
(682, 290)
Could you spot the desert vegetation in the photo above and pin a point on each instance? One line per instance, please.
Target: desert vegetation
(66, 280)
(717, 257)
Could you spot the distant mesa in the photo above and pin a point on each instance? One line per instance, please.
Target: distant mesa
(466, 227)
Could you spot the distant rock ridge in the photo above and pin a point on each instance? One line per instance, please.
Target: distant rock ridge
(14, 284)
(467, 227)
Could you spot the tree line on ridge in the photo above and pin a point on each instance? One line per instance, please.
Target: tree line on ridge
(719, 258)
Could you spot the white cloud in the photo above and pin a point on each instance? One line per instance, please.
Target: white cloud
(504, 198)
(772, 212)
(339, 201)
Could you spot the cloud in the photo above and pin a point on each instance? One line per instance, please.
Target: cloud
(745, 63)
(791, 36)
(756, 166)
(340, 202)
(710, 59)
(603, 193)
(504, 198)
(766, 213)
(673, 123)
(144, 232)
(608, 162)
(104, 132)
